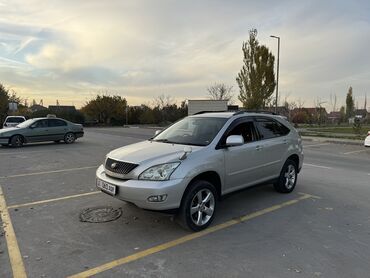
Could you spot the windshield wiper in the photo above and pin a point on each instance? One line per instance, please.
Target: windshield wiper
(163, 141)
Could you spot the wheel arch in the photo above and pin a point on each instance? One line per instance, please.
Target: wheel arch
(212, 177)
(295, 158)
(22, 136)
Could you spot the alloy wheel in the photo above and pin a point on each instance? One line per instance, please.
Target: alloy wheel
(202, 207)
(290, 176)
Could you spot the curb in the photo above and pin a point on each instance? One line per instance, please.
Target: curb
(330, 140)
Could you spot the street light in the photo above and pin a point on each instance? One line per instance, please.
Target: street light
(277, 72)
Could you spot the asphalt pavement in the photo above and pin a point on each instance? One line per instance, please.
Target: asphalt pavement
(322, 229)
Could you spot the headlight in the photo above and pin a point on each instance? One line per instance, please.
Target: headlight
(159, 172)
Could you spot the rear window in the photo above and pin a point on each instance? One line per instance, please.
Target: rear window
(15, 120)
(56, 122)
(269, 128)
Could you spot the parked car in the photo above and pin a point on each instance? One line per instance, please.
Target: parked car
(39, 130)
(191, 164)
(12, 121)
(367, 140)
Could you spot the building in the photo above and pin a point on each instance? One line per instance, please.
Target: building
(334, 117)
(37, 107)
(199, 105)
(309, 115)
(62, 108)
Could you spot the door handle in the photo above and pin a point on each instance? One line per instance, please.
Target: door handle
(258, 148)
(285, 141)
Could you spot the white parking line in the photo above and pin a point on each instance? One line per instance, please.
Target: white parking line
(314, 145)
(359, 151)
(41, 151)
(318, 166)
(48, 172)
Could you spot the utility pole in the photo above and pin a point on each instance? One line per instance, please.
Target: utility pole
(277, 72)
(126, 114)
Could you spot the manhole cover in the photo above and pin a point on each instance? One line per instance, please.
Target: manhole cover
(100, 214)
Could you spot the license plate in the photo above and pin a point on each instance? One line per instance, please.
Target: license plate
(106, 187)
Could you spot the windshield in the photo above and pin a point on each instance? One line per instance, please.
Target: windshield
(198, 131)
(15, 120)
(26, 123)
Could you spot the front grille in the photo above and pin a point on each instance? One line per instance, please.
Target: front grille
(119, 167)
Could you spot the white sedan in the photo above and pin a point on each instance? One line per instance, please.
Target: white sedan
(367, 140)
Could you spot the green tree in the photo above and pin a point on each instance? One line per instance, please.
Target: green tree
(357, 127)
(350, 104)
(342, 112)
(106, 109)
(256, 80)
(4, 103)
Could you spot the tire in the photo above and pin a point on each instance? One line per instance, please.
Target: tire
(201, 199)
(288, 177)
(16, 141)
(69, 138)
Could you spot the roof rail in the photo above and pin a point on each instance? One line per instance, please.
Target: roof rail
(203, 112)
(254, 111)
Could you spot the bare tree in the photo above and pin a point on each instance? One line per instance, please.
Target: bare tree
(300, 103)
(333, 102)
(163, 101)
(319, 110)
(221, 91)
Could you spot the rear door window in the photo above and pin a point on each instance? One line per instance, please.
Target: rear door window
(269, 128)
(56, 123)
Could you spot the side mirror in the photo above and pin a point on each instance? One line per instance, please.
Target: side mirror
(157, 132)
(234, 140)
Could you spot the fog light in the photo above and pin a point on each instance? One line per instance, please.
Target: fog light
(157, 198)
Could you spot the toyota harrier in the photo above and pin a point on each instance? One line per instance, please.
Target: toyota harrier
(192, 163)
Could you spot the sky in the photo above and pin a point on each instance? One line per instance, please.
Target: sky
(71, 50)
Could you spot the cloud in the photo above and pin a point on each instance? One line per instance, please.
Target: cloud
(145, 48)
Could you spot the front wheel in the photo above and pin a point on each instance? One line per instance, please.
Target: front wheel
(288, 177)
(16, 141)
(198, 206)
(69, 138)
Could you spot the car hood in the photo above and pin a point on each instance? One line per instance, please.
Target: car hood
(150, 152)
(9, 130)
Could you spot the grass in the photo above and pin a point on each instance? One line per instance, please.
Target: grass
(335, 131)
(347, 130)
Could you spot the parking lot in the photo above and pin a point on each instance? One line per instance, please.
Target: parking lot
(322, 229)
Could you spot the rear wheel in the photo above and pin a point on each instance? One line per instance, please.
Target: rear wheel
(198, 206)
(69, 138)
(16, 141)
(288, 177)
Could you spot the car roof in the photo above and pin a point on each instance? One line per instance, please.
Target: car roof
(213, 115)
(48, 118)
(229, 114)
(15, 117)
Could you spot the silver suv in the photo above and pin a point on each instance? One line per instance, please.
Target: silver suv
(191, 164)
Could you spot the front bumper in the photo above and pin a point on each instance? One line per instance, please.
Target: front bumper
(138, 191)
(4, 140)
(79, 134)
